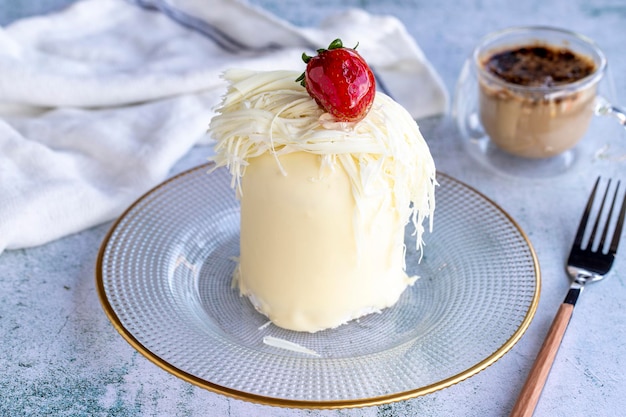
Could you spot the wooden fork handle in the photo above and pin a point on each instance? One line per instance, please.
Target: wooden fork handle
(529, 396)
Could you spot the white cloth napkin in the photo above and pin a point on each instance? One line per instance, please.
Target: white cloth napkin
(98, 101)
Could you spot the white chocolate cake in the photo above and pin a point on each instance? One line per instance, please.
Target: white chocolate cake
(324, 204)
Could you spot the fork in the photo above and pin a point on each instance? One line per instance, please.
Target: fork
(588, 262)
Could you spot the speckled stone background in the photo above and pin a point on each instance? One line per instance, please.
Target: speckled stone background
(60, 355)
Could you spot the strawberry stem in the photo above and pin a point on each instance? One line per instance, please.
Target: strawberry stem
(336, 44)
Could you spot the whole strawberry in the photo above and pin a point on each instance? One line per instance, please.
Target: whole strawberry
(340, 81)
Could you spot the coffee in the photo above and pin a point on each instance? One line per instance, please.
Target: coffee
(526, 107)
(539, 66)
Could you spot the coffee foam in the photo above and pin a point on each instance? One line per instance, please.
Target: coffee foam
(539, 65)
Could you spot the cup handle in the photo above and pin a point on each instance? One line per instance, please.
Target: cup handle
(605, 108)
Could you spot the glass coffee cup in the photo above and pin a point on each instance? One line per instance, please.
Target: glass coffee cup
(526, 97)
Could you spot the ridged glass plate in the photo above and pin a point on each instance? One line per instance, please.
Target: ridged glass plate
(164, 280)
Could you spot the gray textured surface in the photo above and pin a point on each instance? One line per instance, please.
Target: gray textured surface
(61, 356)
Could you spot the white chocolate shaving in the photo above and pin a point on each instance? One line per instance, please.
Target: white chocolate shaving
(287, 345)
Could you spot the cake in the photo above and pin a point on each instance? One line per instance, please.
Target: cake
(324, 202)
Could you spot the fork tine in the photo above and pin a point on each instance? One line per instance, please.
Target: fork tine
(578, 241)
(618, 227)
(608, 216)
(592, 237)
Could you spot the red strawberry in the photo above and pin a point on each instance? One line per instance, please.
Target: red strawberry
(340, 81)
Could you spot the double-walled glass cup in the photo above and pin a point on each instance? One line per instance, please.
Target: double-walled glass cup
(529, 130)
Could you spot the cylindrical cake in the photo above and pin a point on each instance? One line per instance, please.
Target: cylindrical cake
(324, 204)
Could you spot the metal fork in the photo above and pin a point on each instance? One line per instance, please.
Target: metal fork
(588, 261)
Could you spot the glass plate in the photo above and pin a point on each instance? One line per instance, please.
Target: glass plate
(164, 280)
